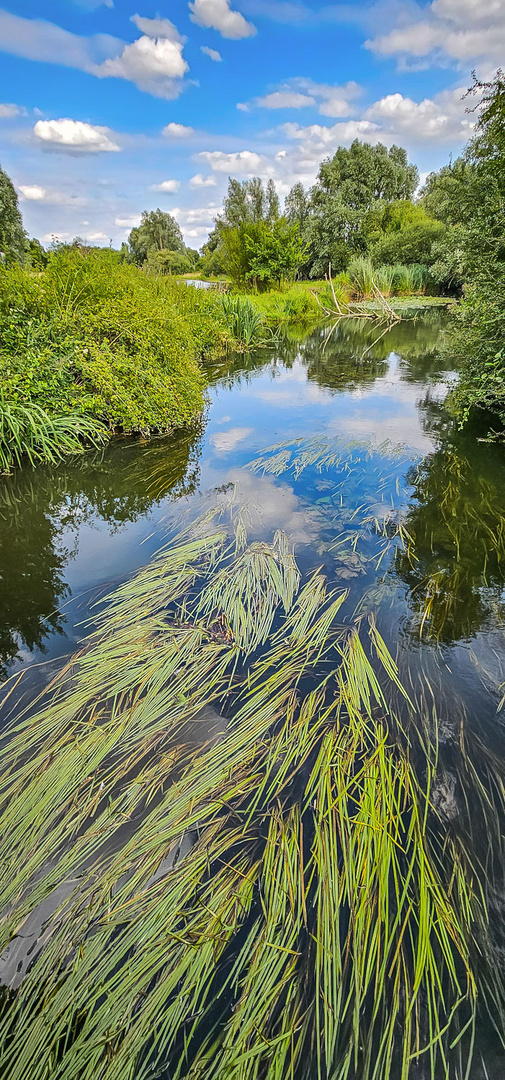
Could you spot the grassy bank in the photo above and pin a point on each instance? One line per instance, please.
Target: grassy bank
(92, 346)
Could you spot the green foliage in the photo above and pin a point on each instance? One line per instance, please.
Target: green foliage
(246, 322)
(36, 256)
(477, 202)
(396, 280)
(158, 231)
(260, 253)
(12, 234)
(97, 337)
(27, 431)
(411, 244)
(168, 262)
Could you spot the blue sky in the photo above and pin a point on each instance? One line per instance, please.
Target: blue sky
(107, 109)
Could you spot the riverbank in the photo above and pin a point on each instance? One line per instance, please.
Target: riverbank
(93, 346)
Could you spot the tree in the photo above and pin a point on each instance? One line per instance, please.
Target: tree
(36, 256)
(168, 262)
(348, 187)
(274, 253)
(157, 231)
(365, 174)
(260, 253)
(412, 244)
(12, 234)
(480, 340)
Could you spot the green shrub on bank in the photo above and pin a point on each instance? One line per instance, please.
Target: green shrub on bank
(92, 336)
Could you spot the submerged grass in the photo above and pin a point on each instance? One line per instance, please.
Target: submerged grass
(321, 925)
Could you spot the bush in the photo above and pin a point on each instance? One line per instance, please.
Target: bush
(96, 337)
(413, 244)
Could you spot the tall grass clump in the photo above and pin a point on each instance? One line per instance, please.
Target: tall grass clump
(361, 273)
(246, 323)
(282, 903)
(27, 431)
(94, 337)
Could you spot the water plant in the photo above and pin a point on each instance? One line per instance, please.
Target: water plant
(282, 902)
(246, 322)
(28, 432)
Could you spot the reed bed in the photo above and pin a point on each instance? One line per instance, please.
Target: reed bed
(320, 924)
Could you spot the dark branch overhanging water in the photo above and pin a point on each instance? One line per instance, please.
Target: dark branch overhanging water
(412, 529)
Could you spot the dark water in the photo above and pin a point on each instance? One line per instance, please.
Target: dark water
(377, 485)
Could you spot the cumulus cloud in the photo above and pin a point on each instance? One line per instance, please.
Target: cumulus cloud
(462, 31)
(155, 65)
(177, 131)
(212, 53)
(243, 162)
(74, 136)
(198, 215)
(167, 186)
(36, 193)
(217, 15)
(8, 111)
(199, 181)
(442, 119)
(302, 93)
(125, 221)
(154, 62)
(158, 28)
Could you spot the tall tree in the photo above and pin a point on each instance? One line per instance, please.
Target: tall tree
(12, 234)
(348, 186)
(158, 231)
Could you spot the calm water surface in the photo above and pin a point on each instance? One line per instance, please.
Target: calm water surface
(394, 461)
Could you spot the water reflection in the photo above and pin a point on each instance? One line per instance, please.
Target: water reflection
(66, 529)
(43, 512)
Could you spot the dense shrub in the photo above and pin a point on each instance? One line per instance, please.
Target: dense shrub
(96, 337)
(413, 244)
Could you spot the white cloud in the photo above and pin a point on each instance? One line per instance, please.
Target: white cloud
(177, 131)
(442, 119)
(154, 62)
(158, 28)
(198, 232)
(7, 111)
(195, 215)
(467, 32)
(74, 136)
(167, 186)
(302, 93)
(35, 193)
(50, 236)
(243, 162)
(212, 53)
(124, 221)
(200, 181)
(285, 99)
(224, 441)
(217, 15)
(155, 65)
(97, 238)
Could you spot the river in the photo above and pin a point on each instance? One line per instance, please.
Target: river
(346, 443)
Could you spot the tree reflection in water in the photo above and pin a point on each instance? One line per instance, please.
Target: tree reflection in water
(42, 509)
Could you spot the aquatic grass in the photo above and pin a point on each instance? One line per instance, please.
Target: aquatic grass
(246, 322)
(28, 432)
(312, 928)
